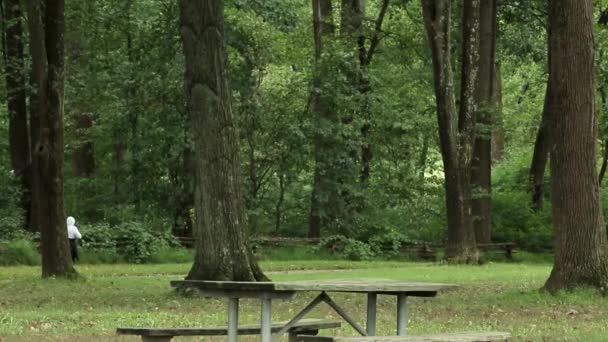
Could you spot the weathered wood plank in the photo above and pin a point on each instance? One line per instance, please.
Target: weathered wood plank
(381, 286)
(304, 325)
(449, 337)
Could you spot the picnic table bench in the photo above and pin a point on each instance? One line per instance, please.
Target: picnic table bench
(507, 247)
(303, 327)
(429, 251)
(449, 337)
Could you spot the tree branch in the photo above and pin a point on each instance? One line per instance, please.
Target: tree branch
(378, 29)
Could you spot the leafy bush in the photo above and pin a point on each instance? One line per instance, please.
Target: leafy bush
(348, 248)
(98, 236)
(11, 216)
(137, 244)
(19, 252)
(513, 218)
(133, 241)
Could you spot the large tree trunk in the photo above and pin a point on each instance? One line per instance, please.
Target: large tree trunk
(47, 27)
(541, 151)
(581, 249)
(456, 134)
(481, 176)
(323, 109)
(16, 100)
(222, 246)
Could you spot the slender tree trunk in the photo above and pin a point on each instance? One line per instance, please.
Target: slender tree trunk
(423, 156)
(581, 249)
(365, 89)
(541, 151)
(481, 176)
(456, 133)
(16, 101)
(278, 209)
(324, 194)
(83, 157)
(222, 246)
(498, 133)
(47, 27)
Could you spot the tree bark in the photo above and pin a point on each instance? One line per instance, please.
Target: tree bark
(481, 176)
(47, 27)
(16, 100)
(581, 249)
(541, 151)
(222, 246)
(456, 133)
(604, 105)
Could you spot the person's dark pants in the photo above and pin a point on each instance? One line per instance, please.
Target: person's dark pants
(74, 249)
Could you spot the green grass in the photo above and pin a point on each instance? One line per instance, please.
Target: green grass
(494, 296)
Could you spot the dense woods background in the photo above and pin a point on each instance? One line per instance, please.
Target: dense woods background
(344, 107)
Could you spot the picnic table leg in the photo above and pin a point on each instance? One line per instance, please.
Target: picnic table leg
(266, 320)
(371, 313)
(401, 314)
(233, 319)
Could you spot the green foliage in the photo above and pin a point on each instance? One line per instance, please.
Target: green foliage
(18, 252)
(11, 216)
(137, 243)
(513, 219)
(125, 69)
(131, 242)
(348, 248)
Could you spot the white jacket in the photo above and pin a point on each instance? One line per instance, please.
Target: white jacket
(73, 232)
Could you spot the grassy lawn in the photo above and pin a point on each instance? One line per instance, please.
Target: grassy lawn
(496, 296)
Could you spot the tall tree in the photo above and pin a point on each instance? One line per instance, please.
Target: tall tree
(540, 155)
(222, 246)
(47, 27)
(581, 249)
(352, 15)
(324, 197)
(456, 128)
(482, 160)
(16, 102)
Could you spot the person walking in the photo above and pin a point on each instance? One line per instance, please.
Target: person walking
(74, 236)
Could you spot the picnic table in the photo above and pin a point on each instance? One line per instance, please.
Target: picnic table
(267, 291)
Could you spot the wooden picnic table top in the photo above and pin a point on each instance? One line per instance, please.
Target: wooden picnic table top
(382, 286)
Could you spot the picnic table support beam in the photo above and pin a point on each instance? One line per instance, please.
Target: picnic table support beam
(233, 319)
(401, 314)
(266, 320)
(371, 313)
(344, 315)
(320, 298)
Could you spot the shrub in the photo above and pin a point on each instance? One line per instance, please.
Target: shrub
(11, 216)
(137, 242)
(130, 241)
(19, 252)
(348, 248)
(513, 218)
